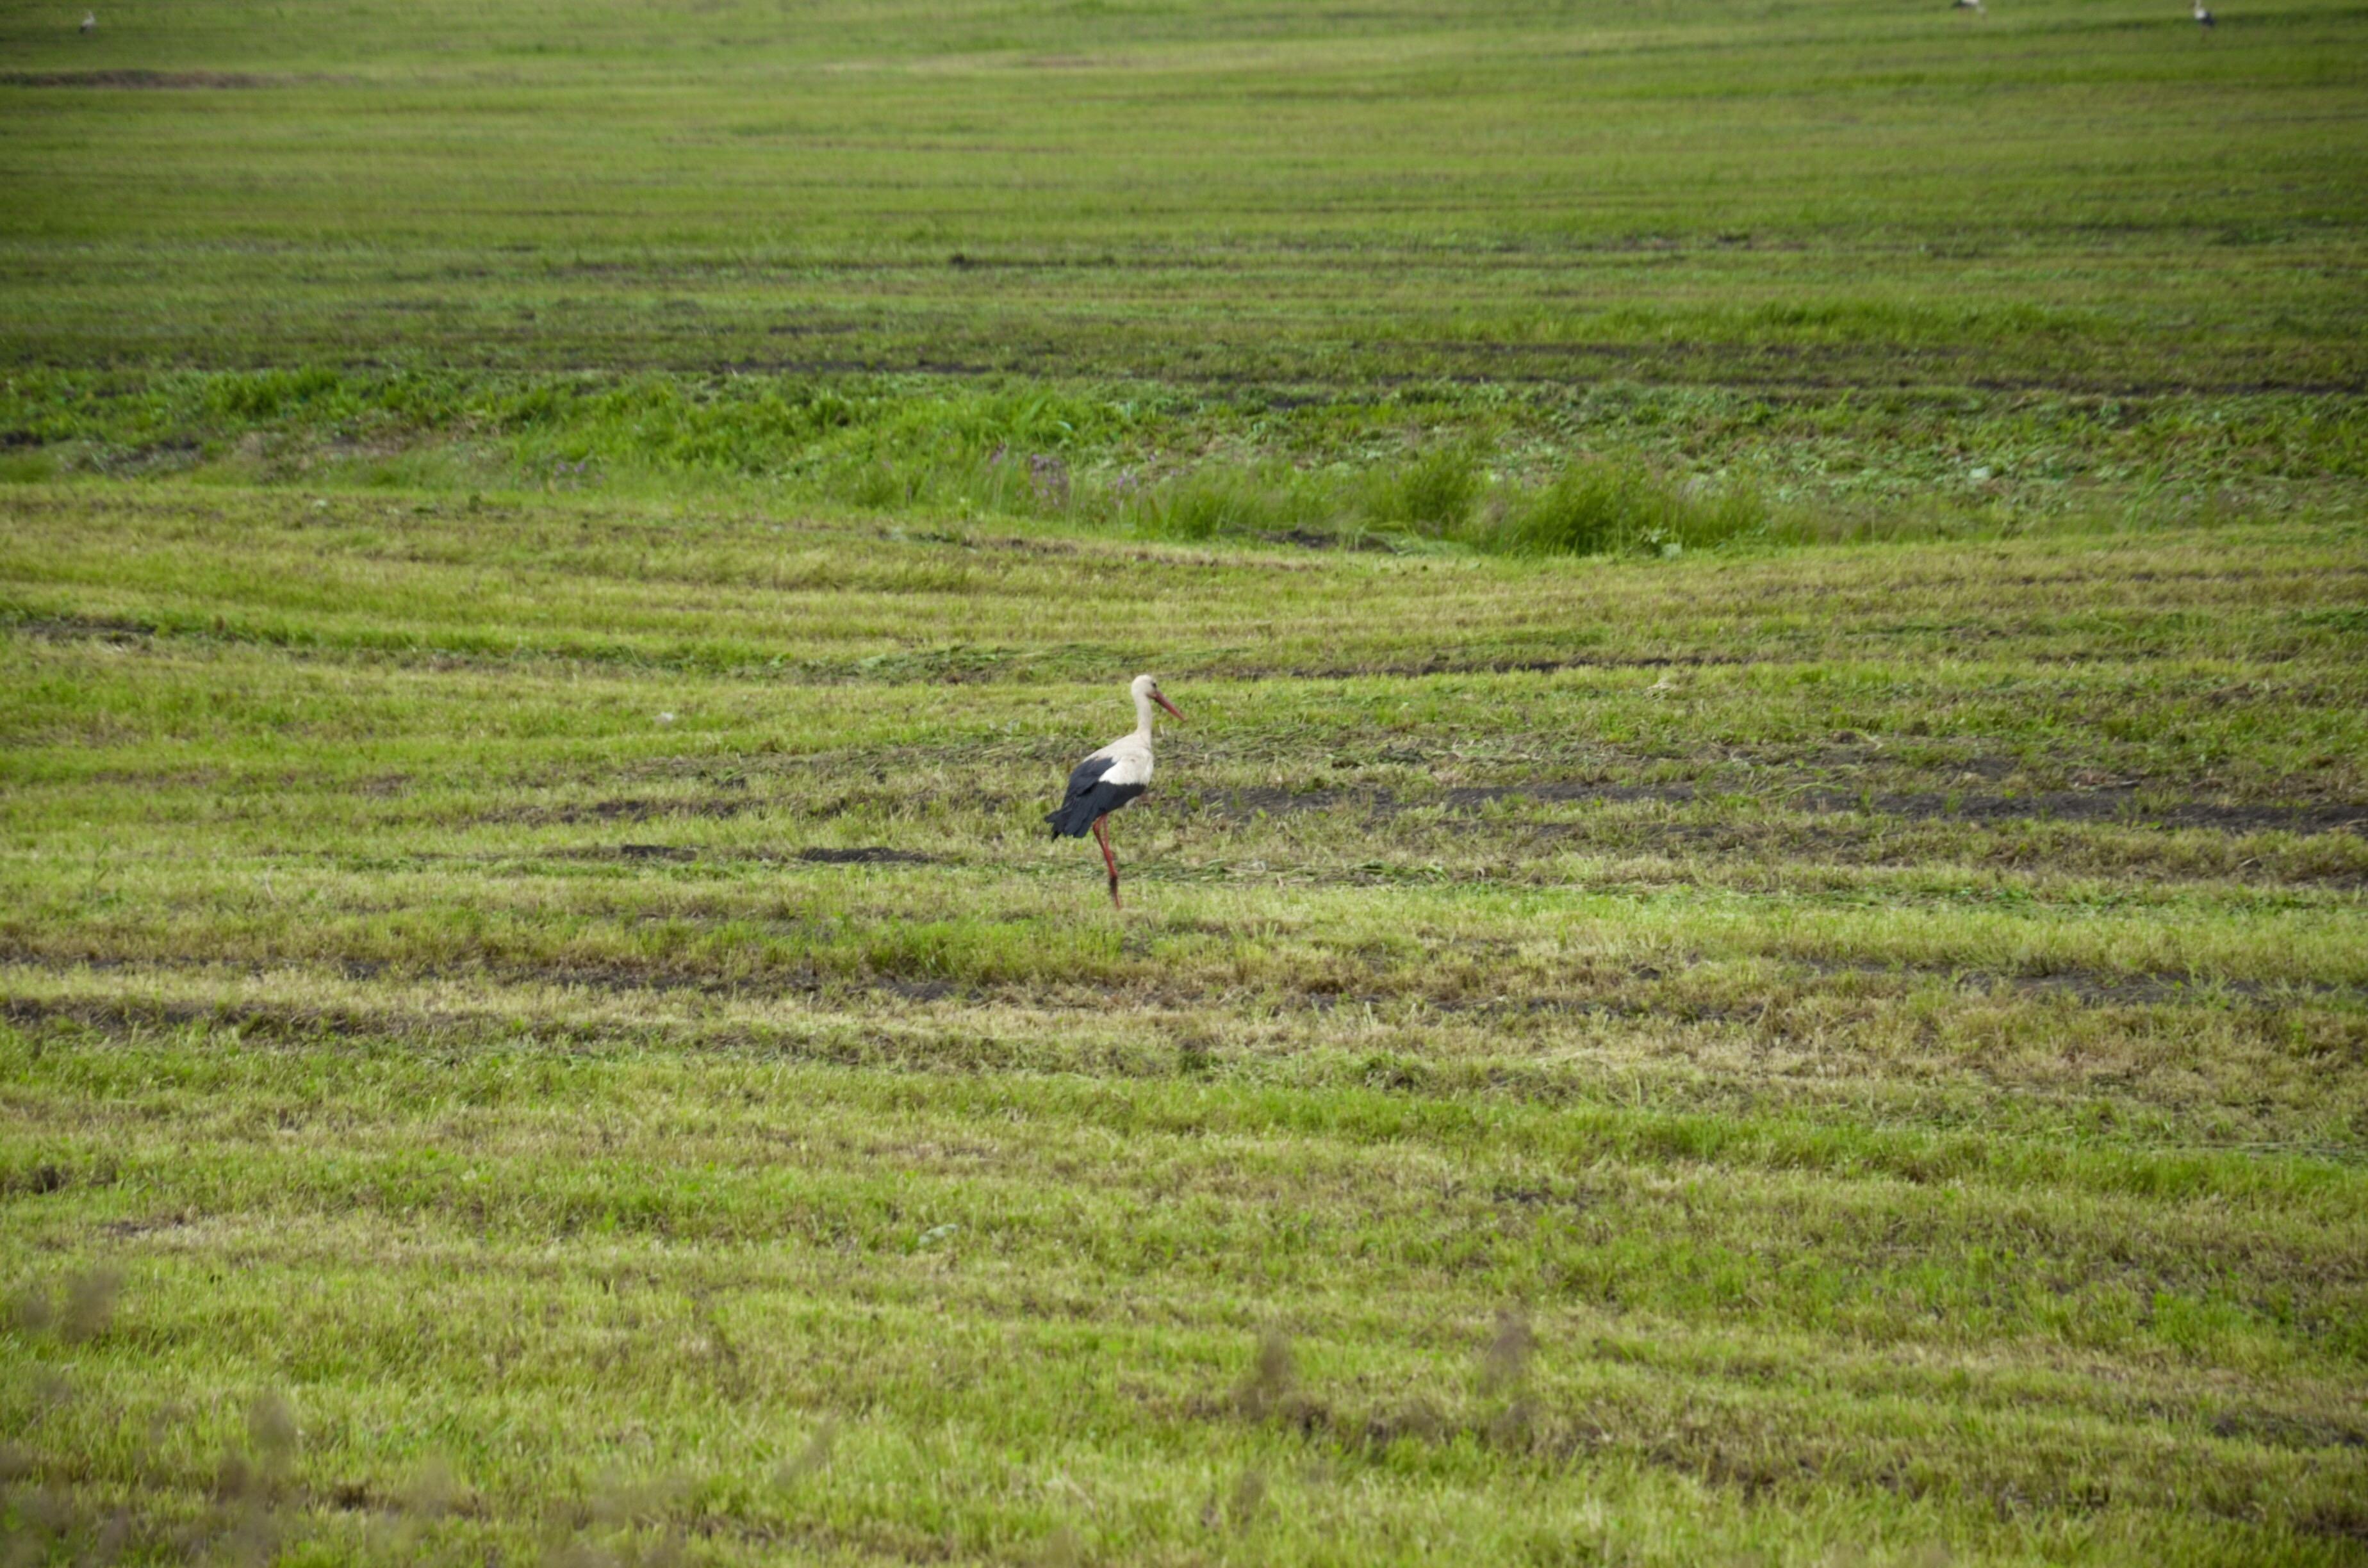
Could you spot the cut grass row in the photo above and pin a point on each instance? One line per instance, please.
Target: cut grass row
(694, 590)
(2127, 818)
(2209, 1017)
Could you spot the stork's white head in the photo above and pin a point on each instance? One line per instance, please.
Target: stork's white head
(1146, 692)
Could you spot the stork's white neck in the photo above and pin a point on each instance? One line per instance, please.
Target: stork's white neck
(1143, 715)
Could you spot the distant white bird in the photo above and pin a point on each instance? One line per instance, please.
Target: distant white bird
(1110, 779)
(2202, 14)
(90, 21)
(1966, 6)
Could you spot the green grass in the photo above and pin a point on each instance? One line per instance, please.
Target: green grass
(1583, 470)
(1751, 951)
(1876, 263)
(2086, 195)
(1851, 1049)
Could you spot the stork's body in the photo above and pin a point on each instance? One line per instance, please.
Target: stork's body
(1106, 780)
(2202, 14)
(90, 21)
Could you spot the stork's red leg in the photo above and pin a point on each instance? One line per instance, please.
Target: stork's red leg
(1101, 837)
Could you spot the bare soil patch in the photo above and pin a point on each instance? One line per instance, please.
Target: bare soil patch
(866, 855)
(655, 852)
(136, 79)
(79, 628)
(634, 810)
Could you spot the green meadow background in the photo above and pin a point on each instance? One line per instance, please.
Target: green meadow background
(2075, 196)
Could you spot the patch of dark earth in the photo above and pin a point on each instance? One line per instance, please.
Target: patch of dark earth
(858, 855)
(666, 854)
(866, 855)
(1310, 539)
(218, 80)
(79, 628)
(267, 1022)
(712, 806)
(650, 852)
(619, 810)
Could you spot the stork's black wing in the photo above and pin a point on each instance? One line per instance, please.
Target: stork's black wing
(1090, 797)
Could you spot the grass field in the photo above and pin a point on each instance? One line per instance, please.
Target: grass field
(575, 1002)
(1752, 950)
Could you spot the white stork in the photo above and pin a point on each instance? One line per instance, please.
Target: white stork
(2202, 14)
(1966, 6)
(90, 21)
(1110, 779)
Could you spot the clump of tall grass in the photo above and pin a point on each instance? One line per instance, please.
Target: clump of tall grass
(1597, 507)
(1218, 500)
(1602, 507)
(1433, 492)
(1004, 481)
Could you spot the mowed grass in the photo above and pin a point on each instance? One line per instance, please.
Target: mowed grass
(551, 1030)
(545, 1027)
(2088, 195)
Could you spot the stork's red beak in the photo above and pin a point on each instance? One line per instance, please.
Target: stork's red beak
(1161, 699)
